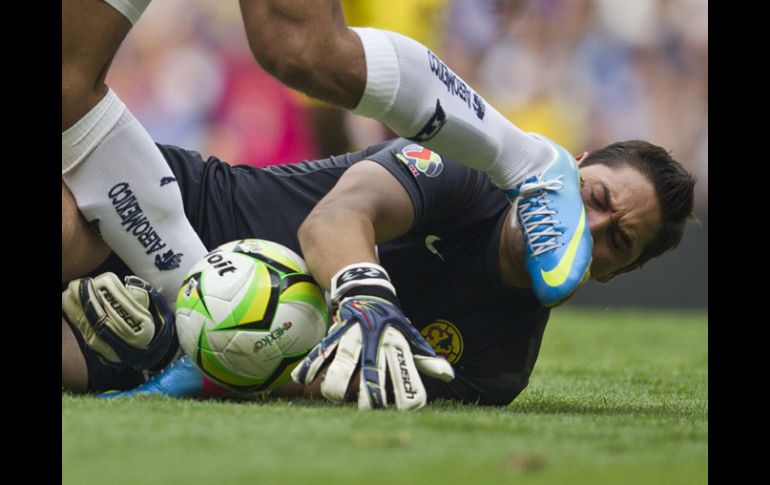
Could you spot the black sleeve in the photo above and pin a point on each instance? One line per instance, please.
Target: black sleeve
(440, 189)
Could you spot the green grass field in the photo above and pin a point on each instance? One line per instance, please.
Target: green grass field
(617, 397)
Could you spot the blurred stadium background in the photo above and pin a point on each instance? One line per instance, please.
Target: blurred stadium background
(584, 72)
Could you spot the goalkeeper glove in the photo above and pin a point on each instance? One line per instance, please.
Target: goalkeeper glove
(127, 324)
(370, 330)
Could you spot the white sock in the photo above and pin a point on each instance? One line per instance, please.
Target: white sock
(413, 92)
(125, 188)
(131, 9)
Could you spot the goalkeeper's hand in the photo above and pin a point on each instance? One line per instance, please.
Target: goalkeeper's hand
(371, 331)
(128, 324)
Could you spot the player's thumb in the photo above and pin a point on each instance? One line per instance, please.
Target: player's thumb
(436, 367)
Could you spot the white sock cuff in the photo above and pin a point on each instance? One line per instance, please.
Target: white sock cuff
(382, 73)
(131, 9)
(82, 137)
(523, 155)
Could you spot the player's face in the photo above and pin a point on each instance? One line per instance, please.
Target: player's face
(623, 214)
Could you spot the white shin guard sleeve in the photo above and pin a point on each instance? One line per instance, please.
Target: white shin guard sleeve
(80, 139)
(413, 92)
(127, 191)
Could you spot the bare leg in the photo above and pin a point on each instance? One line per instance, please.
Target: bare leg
(74, 372)
(329, 127)
(293, 40)
(91, 33)
(82, 250)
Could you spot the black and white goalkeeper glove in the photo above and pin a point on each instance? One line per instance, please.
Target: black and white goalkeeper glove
(128, 324)
(371, 331)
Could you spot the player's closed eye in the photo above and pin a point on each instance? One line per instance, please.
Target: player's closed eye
(595, 200)
(614, 239)
(604, 205)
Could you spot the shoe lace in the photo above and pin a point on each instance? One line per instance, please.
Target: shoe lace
(537, 218)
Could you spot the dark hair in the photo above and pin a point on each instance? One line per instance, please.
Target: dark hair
(674, 187)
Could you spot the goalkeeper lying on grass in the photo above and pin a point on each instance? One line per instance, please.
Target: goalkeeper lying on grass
(431, 239)
(458, 268)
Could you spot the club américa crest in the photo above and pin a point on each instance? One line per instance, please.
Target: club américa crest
(445, 339)
(420, 160)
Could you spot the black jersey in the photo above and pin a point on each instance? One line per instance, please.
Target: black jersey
(445, 269)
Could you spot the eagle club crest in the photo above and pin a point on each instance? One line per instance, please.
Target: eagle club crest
(445, 339)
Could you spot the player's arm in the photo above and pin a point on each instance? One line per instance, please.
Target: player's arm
(367, 206)
(370, 332)
(344, 227)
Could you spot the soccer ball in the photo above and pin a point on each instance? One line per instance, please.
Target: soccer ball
(248, 312)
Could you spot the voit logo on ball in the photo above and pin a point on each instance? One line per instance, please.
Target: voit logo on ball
(421, 160)
(445, 339)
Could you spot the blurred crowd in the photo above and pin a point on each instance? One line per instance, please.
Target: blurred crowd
(583, 72)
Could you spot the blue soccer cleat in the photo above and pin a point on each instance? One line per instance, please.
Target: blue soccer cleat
(181, 378)
(557, 236)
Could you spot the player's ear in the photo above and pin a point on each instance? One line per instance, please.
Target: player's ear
(579, 159)
(609, 277)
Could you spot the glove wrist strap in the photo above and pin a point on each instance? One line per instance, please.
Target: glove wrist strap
(362, 279)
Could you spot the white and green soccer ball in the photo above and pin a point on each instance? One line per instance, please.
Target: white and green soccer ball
(248, 312)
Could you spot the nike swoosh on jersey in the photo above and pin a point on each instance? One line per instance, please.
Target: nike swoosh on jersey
(558, 275)
(429, 240)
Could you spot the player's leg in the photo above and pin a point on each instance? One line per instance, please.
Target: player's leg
(387, 76)
(118, 176)
(92, 30)
(82, 251)
(307, 45)
(396, 80)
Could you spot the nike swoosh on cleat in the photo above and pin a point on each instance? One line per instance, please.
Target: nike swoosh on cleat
(558, 275)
